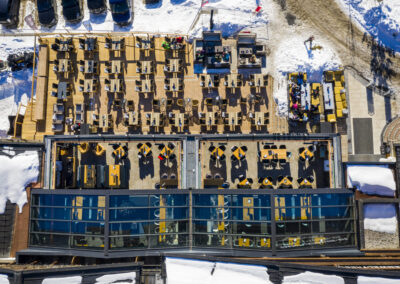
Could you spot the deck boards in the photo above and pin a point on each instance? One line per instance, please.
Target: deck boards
(142, 102)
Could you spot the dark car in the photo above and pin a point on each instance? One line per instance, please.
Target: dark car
(121, 11)
(9, 10)
(96, 6)
(72, 11)
(46, 12)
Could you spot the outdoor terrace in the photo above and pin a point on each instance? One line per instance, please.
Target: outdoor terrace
(141, 85)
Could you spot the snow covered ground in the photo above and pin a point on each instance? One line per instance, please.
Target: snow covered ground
(63, 280)
(16, 172)
(129, 277)
(380, 218)
(374, 180)
(376, 280)
(183, 271)
(380, 18)
(312, 278)
(4, 279)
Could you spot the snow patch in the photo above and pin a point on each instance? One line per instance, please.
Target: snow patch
(63, 280)
(372, 180)
(381, 19)
(205, 272)
(15, 174)
(111, 278)
(312, 278)
(4, 279)
(374, 280)
(380, 218)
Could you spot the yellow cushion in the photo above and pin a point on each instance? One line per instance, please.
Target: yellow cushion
(339, 105)
(342, 79)
(344, 104)
(339, 113)
(338, 84)
(331, 117)
(338, 98)
(343, 95)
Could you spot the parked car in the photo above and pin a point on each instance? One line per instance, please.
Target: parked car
(72, 11)
(9, 10)
(46, 12)
(121, 11)
(96, 6)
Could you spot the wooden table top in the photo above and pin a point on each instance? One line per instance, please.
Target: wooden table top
(269, 154)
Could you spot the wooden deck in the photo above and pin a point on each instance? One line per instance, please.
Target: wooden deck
(38, 118)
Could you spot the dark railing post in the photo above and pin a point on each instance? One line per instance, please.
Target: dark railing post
(273, 224)
(106, 224)
(190, 220)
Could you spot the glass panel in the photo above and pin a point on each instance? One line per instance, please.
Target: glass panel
(49, 240)
(331, 199)
(50, 226)
(168, 213)
(253, 214)
(51, 213)
(134, 242)
(87, 242)
(129, 214)
(168, 240)
(257, 200)
(169, 227)
(129, 228)
(129, 201)
(87, 228)
(168, 200)
(215, 240)
(251, 228)
(209, 200)
(332, 212)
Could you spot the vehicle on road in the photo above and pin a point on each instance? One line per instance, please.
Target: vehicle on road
(46, 12)
(122, 11)
(97, 6)
(9, 10)
(72, 11)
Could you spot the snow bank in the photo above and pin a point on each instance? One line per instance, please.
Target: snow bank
(375, 280)
(374, 180)
(379, 18)
(380, 218)
(64, 280)
(204, 272)
(4, 279)
(111, 278)
(15, 174)
(312, 278)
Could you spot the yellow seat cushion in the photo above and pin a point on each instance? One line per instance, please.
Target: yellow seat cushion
(343, 95)
(331, 118)
(338, 84)
(338, 98)
(344, 104)
(339, 113)
(339, 105)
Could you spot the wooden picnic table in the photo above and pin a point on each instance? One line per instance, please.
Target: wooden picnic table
(155, 119)
(259, 80)
(63, 66)
(116, 43)
(89, 67)
(269, 154)
(146, 67)
(233, 119)
(174, 65)
(133, 118)
(115, 85)
(259, 119)
(147, 86)
(180, 120)
(116, 67)
(210, 119)
(89, 86)
(232, 81)
(174, 84)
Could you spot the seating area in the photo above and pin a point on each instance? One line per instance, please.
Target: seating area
(265, 164)
(169, 96)
(140, 164)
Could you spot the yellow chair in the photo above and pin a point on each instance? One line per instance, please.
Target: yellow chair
(339, 113)
(339, 105)
(338, 98)
(344, 104)
(99, 150)
(337, 90)
(343, 96)
(331, 118)
(338, 84)
(83, 148)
